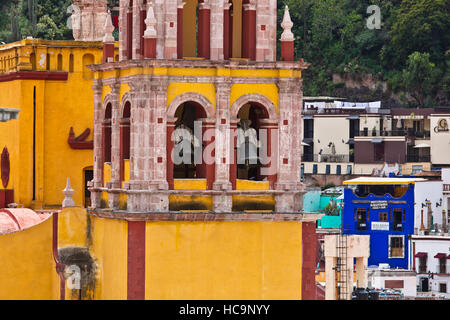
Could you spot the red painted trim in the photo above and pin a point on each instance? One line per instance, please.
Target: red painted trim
(233, 165)
(124, 145)
(136, 261)
(309, 247)
(5, 167)
(129, 35)
(180, 33)
(249, 34)
(210, 168)
(287, 50)
(226, 31)
(60, 267)
(34, 75)
(150, 48)
(13, 217)
(143, 16)
(204, 33)
(6, 197)
(80, 143)
(108, 51)
(169, 162)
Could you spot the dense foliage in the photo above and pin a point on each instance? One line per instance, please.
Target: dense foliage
(408, 58)
(409, 54)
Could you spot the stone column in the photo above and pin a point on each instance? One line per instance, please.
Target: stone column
(249, 29)
(158, 144)
(160, 9)
(263, 28)
(330, 275)
(348, 296)
(171, 30)
(217, 30)
(361, 272)
(97, 182)
(115, 146)
(204, 29)
(123, 30)
(227, 30)
(290, 102)
(136, 149)
(223, 139)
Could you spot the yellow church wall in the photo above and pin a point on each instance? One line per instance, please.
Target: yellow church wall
(270, 91)
(223, 260)
(59, 105)
(109, 250)
(27, 266)
(177, 88)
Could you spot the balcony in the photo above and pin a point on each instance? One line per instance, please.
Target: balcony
(418, 158)
(424, 135)
(326, 158)
(382, 133)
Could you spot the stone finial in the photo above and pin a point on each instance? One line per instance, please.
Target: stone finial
(150, 22)
(109, 29)
(68, 192)
(287, 25)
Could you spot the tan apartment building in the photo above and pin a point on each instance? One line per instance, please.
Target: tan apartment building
(343, 139)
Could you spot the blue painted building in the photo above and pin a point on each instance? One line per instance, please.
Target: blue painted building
(384, 209)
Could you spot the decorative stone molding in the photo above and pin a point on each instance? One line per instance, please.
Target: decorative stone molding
(191, 96)
(256, 98)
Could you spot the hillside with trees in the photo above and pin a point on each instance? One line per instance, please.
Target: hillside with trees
(406, 62)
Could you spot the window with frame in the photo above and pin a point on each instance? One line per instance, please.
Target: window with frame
(338, 169)
(361, 217)
(396, 247)
(314, 168)
(328, 169)
(443, 287)
(383, 216)
(397, 219)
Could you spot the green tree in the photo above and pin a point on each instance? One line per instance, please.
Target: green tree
(421, 25)
(419, 77)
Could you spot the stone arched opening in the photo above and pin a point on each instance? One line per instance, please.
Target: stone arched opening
(255, 143)
(189, 116)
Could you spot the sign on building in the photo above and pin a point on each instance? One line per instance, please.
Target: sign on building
(382, 226)
(377, 205)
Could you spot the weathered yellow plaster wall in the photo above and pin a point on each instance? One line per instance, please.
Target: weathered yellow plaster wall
(109, 250)
(27, 266)
(223, 260)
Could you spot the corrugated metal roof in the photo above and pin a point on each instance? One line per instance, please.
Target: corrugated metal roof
(376, 180)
